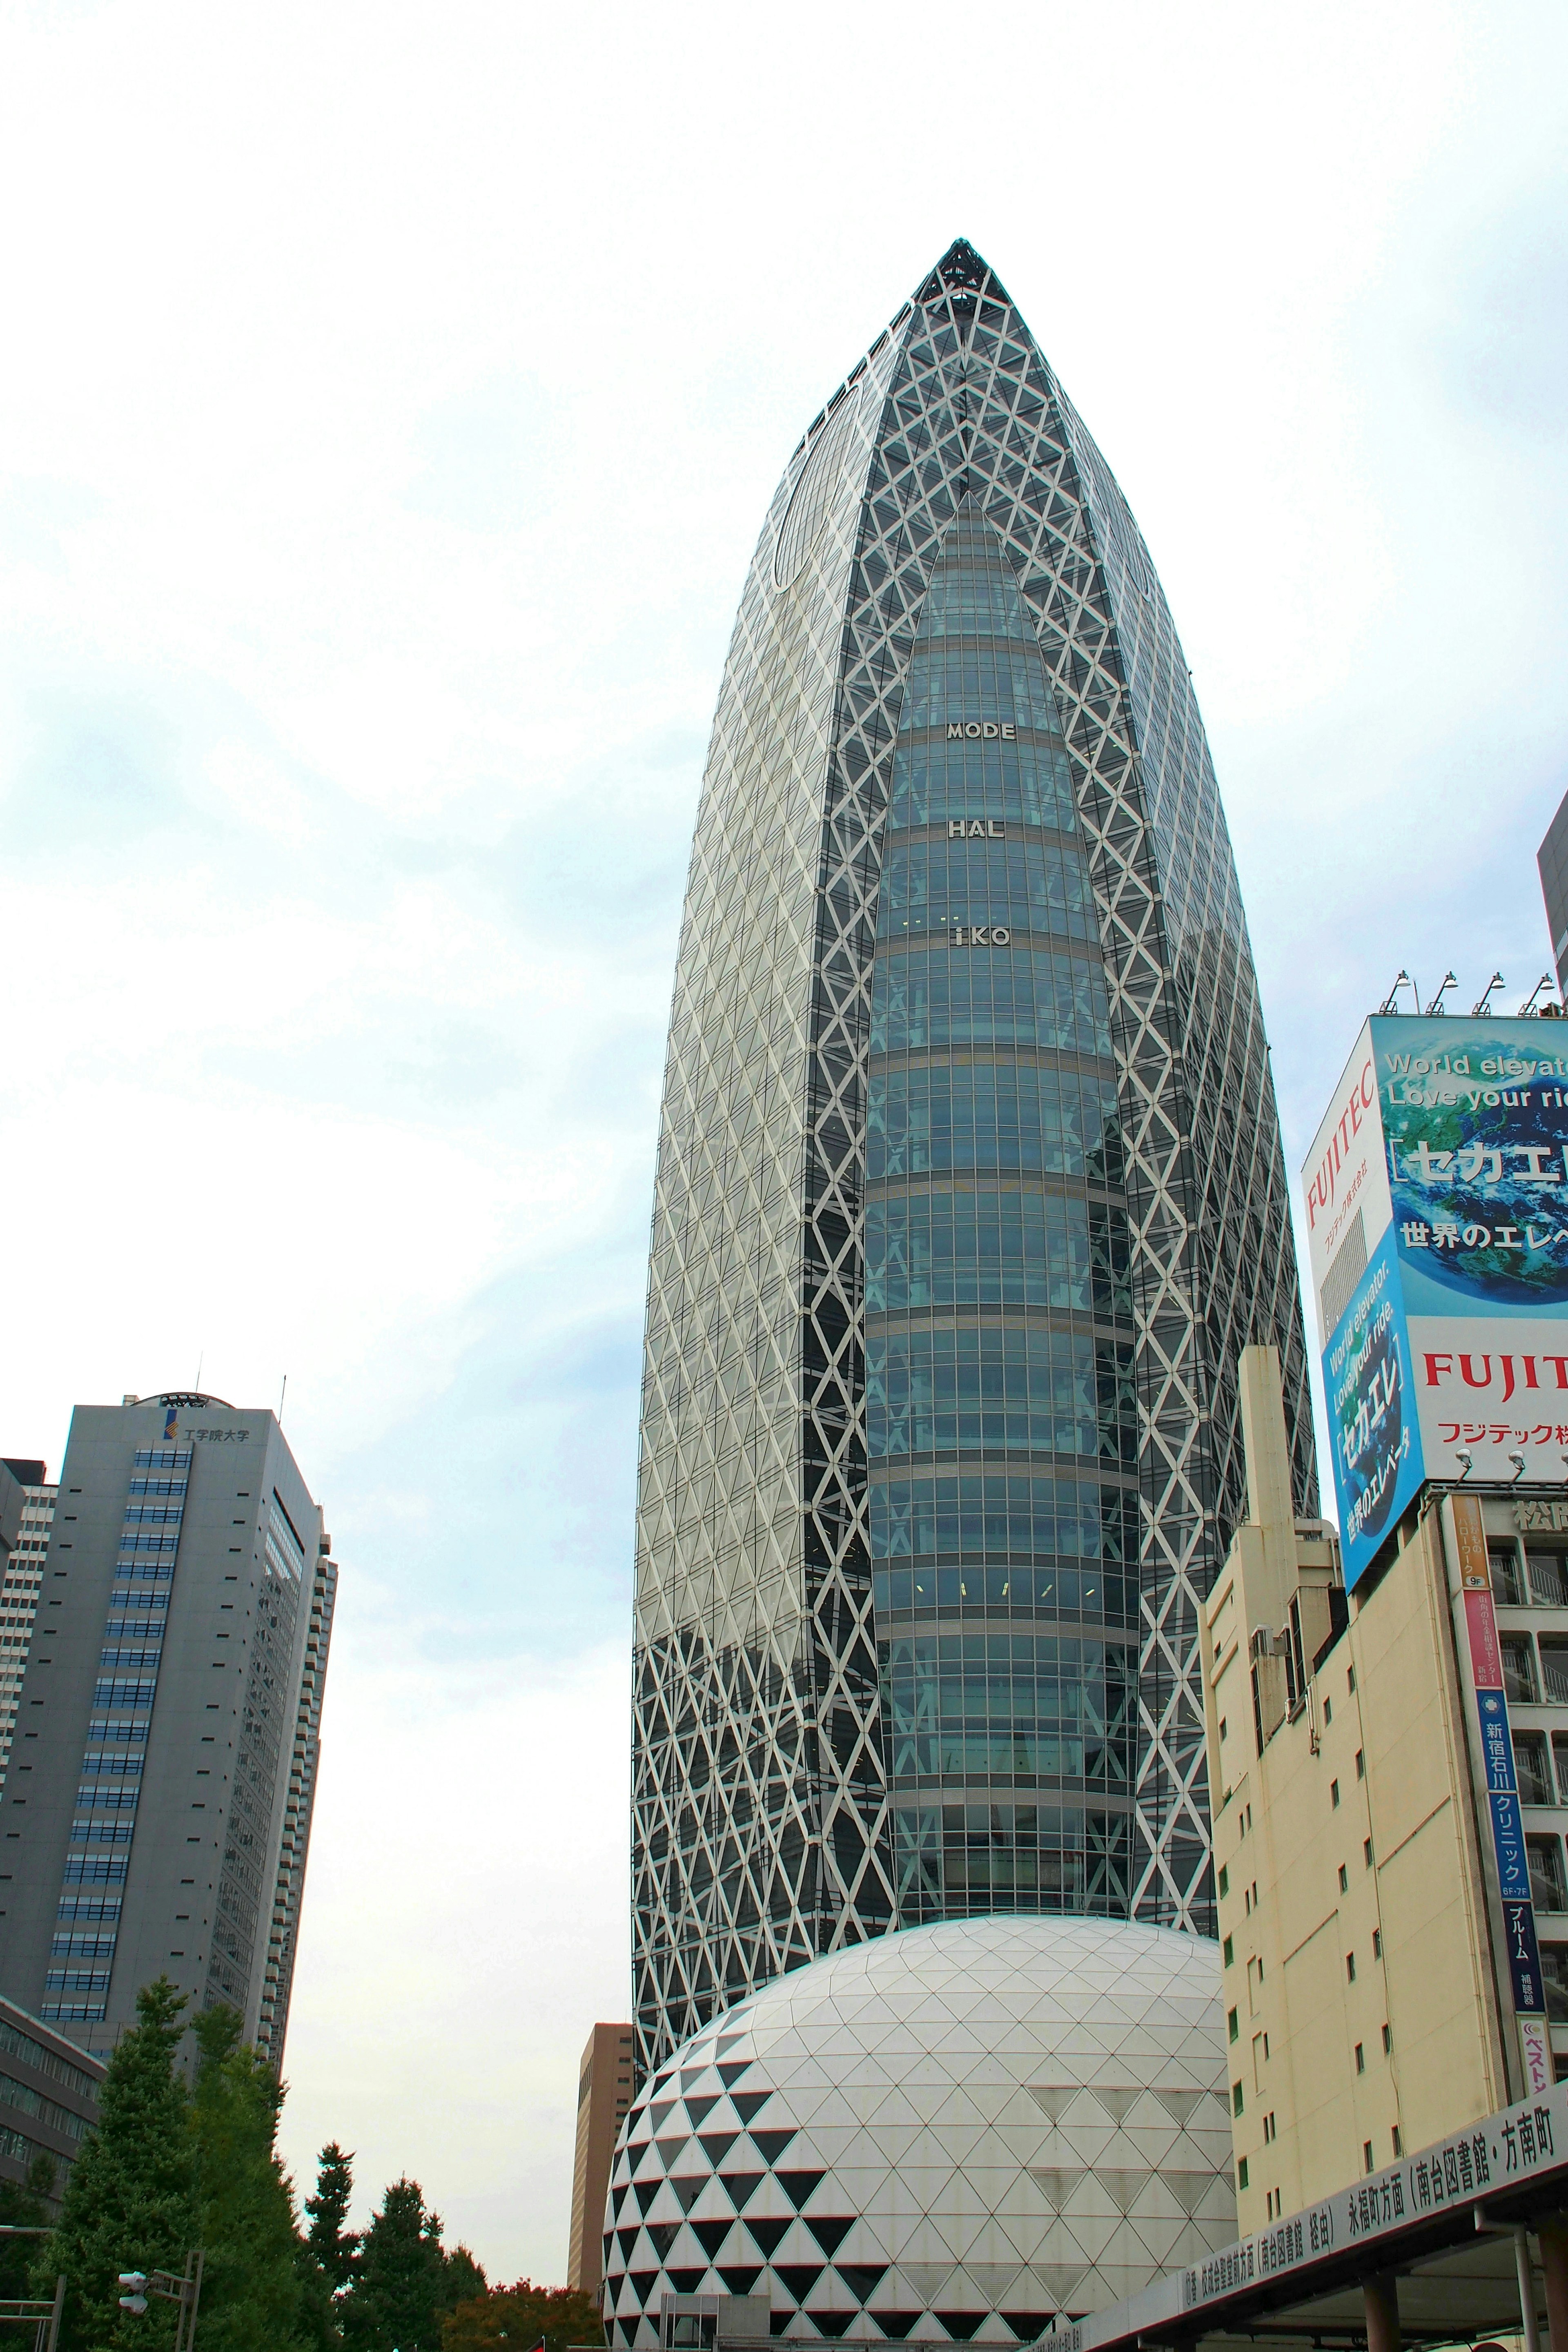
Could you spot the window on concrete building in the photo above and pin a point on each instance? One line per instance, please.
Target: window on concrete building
(1534, 1769)
(1554, 1668)
(1519, 1669)
(1548, 1883)
(1548, 1578)
(1508, 1581)
(1554, 1969)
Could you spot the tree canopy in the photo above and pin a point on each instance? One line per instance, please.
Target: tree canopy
(251, 2288)
(174, 2164)
(129, 2203)
(403, 2282)
(519, 2315)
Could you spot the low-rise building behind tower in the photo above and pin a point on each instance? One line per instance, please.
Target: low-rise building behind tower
(156, 1814)
(603, 2094)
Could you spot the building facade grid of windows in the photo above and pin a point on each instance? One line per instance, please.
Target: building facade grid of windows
(19, 1601)
(968, 1192)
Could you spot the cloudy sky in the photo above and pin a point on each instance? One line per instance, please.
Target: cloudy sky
(391, 398)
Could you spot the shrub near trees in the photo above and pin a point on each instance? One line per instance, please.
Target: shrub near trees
(171, 2166)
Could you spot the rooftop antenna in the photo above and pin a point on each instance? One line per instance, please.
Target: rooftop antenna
(1483, 1005)
(201, 1360)
(1450, 979)
(1391, 1002)
(281, 1394)
(1526, 1010)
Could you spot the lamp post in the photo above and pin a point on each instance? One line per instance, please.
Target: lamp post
(186, 2290)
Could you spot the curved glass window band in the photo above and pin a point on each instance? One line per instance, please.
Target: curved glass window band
(988, 1385)
(1029, 885)
(995, 1248)
(991, 1114)
(1027, 781)
(977, 996)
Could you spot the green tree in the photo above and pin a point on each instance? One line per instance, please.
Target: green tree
(333, 2247)
(403, 2282)
(129, 2202)
(519, 2315)
(251, 2287)
(22, 2207)
(324, 2257)
(463, 2278)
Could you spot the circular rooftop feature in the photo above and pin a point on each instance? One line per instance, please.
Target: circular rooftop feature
(960, 2130)
(813, 495)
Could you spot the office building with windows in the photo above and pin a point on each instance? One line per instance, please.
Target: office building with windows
(48, 2099)
(969, 1190)
(156, 1815)
(22, 1574)
(604, 2096)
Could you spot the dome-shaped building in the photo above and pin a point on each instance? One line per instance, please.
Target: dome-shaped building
(960, 2130)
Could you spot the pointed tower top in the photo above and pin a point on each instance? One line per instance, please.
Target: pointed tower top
(962, 276)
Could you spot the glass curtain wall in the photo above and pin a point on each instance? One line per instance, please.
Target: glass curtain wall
(1000, 1417)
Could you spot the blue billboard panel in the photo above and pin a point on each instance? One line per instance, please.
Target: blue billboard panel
(1475, 1123)
(1507, 1838)
(1372, 1412)
(1497, 1740)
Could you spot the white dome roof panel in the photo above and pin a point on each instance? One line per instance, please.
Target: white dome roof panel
(963, 2128)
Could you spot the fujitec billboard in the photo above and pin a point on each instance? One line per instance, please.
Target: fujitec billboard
(1437, 1199)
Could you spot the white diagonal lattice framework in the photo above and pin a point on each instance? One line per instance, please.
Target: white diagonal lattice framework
(761, 1834)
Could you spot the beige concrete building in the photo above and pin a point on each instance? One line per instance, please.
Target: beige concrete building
(603, 2094)
(1372, 2005)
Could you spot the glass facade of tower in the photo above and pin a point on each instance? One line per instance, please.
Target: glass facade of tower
(968, 1192)
(1001, 1420)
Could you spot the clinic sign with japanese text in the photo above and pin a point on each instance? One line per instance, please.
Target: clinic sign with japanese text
(1437, 1204)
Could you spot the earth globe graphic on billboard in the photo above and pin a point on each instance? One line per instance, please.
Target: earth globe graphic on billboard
(1437, 1197)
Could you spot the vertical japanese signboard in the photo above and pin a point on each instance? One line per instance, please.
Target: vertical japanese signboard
(1495, 1750)
(1437, 1202)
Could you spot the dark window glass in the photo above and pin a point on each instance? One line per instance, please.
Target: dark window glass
(953, 1859)
(1030, 885)
(1000, 1248)
(1534, 1769)
(1554, 1669)
(1507, 1582)
(1518, 1668)
(994, 1386)
(1554, 1968)
(1548, 1578)
(1024, 782)
(985, 1115)
(975, 1703)
(994, 1514)
(962, 682)
(1547, 1884)
(981, 996)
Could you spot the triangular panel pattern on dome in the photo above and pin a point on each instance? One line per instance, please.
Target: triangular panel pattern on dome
(982, 2223)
